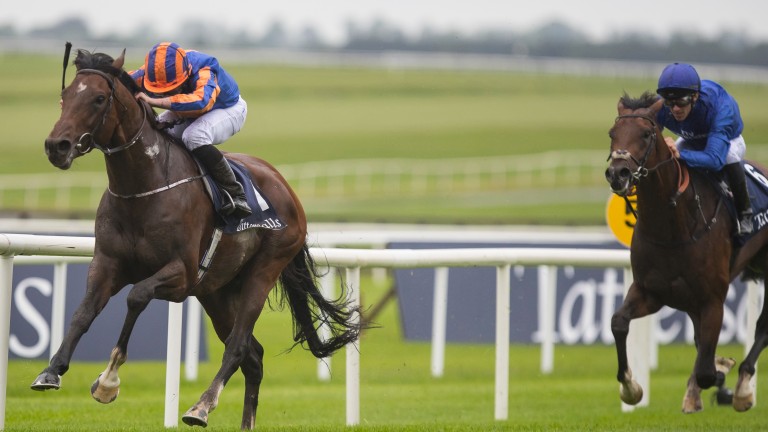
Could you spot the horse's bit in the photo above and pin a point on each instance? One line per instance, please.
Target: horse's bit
(85, 148)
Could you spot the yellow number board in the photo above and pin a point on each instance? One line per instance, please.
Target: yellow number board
(620, 218)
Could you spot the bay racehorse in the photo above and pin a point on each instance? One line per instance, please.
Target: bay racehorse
(153, 226)
(683, 251)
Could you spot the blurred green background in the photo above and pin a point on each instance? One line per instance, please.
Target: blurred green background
(299, 116)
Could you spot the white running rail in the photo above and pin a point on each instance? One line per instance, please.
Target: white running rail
(12, 245)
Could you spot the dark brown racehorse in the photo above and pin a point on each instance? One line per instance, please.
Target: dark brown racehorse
(683, 253)
(155, 223)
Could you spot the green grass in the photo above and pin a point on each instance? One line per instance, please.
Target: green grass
(311, 114)
(397, 391)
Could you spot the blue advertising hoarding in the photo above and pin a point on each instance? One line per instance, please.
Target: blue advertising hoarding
(585, 301)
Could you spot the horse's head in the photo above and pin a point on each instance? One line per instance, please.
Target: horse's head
(636, 142)
(89, 108)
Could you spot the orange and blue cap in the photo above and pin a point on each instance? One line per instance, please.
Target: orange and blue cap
(166, 67)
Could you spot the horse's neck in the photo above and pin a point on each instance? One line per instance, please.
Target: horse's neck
(153, 162)
(659, 207)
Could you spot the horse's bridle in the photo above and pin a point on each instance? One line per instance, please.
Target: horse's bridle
(642, 171)
(625, 155)
(85, 148)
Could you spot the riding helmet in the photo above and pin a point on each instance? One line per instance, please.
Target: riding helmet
(166, 67)
(678, 80)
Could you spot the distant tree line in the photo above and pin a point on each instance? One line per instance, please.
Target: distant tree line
(553, 39)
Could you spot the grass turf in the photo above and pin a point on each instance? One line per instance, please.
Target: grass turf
(397, 391)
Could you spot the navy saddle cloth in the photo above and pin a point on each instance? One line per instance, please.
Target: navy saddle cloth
(757, 184)
(263, 216)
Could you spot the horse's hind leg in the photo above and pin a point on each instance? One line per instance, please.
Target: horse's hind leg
(238, 345)
(221, 310)
(253, 370)
(707, 366)
(743, 397)
(635, 305)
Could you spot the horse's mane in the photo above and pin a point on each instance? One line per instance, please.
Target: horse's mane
(103, 62)
(644, 101)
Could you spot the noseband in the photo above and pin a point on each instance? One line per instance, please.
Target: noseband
(85, 148)
(625, 155)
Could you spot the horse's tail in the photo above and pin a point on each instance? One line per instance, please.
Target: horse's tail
(311, 309)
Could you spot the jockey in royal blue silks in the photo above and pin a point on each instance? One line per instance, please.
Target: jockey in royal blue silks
(708, 124)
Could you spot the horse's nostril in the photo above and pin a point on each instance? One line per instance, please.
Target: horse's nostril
(624, 173)
(63, 146)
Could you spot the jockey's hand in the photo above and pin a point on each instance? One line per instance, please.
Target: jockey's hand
(672, 147)
(154, 102)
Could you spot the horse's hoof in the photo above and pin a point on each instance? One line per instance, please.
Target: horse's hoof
(723, 396)
(724, 365)
(743, 394)
(631, 393)
(46, 381)
(104, 394)
(692, 406)
(742, 403)
(195, 417)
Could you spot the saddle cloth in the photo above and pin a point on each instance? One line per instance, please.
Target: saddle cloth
(757, 185)
(263, 216)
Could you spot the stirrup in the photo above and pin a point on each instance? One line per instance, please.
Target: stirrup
(745, 224)
(234, 206)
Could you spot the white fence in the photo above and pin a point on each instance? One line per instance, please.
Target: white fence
(353, 179)
(12, 245)
(348, 178)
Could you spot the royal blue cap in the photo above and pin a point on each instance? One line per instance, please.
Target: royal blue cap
(677, 80)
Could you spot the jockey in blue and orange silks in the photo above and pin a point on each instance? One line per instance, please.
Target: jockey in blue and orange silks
(204, 103)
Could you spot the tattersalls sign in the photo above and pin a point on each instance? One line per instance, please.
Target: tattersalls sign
(586, 299)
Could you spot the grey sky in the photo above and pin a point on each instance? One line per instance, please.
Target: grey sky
(598, 18)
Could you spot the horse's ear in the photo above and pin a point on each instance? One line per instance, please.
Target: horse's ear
(621, 108)
(120, 61)
(79, 59)
(656, 107)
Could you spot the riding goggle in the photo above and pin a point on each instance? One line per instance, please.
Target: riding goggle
(680, 102)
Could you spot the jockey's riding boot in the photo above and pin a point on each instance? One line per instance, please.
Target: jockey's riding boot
(214, 162)
(738, 182)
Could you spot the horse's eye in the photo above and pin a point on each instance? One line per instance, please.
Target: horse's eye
(647, 134)
(100, 99)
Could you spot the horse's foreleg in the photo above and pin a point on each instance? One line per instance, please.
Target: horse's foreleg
(96, 297)
(692, 399)
(709, 324)
(635, 306)
(107, 386)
